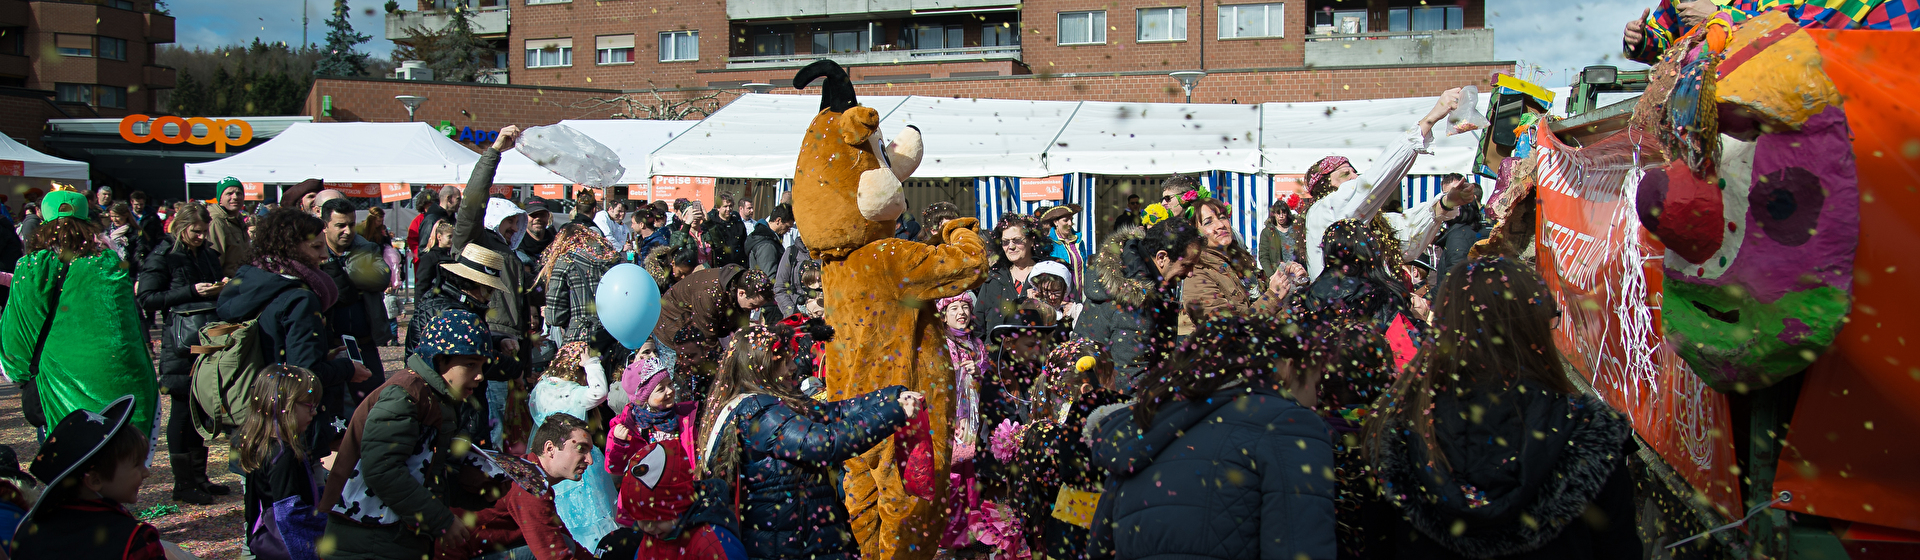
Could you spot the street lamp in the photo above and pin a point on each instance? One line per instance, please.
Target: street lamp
(1188, 79)
(758, 87)
(412, 102)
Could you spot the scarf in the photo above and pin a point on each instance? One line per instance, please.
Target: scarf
(316, 281)
(646, 418)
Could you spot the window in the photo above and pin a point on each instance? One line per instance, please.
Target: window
(122, 4)
(73, 45)
(13, 40)
(924, 36)
(1004, 34)
(1343, 23)
(98, 96)
(1162, 24)
(679, 46)
(1253, 20)
(845, 40)
(770, 40)
(613, 49)
(549, 53)
(1436, 18)
(1083, 28)
(112, 49)
(535, 2)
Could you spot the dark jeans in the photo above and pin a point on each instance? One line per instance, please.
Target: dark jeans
(181, 437)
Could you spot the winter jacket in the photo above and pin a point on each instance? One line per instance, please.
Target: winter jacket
(1457, 240)
(79, 529)
(166, 282)
(1244, 474)
(1533, 474)
(998, 302)
(763, 250)
(570, 293)
(661, 237)
(788, 292)
(293, 331)
(359, 313)
(1120, 289)
(1220, 287)
(728, 238)
(681, 237)
(696, 313)
(507, 313)
(12, 247)
(1276, 246)
(789, 506)
(285, 476)
(395, 482)
(227, 233)
(96, 350)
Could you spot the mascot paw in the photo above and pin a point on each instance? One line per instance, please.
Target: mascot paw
(956, 224)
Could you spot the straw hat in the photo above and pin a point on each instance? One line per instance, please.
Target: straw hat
(1056, 212)
(480, 264)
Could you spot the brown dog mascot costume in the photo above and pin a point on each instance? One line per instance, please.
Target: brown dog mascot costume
(879, 293)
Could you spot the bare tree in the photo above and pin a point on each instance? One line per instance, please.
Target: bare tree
(651, 105)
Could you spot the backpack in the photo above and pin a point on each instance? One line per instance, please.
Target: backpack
(226, 361)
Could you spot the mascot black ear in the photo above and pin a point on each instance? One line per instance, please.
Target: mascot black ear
(835, 95)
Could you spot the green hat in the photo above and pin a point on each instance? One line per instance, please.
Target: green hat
(224, 183)
(60, 204)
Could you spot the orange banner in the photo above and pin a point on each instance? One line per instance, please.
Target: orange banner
(253, 191)
(550, 191)
(1049, 188)
(1606, 271)
(12, 168)
(395, 192)
(639, 191)
(357, 190)
(501, 190)
(670, 188)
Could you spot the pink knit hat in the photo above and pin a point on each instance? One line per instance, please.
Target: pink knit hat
(640, 378)
(941, 305)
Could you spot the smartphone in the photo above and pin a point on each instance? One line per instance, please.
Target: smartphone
(353, 348)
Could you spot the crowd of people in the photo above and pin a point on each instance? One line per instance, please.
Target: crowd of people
(1371, 382)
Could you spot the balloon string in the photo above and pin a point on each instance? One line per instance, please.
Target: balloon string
(1784, 497)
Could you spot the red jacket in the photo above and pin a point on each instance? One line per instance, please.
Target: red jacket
(523, 517)
(413, 236)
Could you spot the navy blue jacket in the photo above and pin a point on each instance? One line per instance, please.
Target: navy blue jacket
(1245, 474)
(789, 507)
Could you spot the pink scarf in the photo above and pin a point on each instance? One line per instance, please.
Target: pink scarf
(316, 281)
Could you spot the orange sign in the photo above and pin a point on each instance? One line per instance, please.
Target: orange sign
(253, 191)
(216, 131)
(357, 190)
(501, 190)
(639, 191)
(1605, 272)
(1285, 184)
(12, 168)
(395, 192)
(692, 188)
(1050, 188)
(550, 191)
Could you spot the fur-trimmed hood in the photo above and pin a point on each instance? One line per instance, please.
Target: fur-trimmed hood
(1524, 463)
(1118, 274)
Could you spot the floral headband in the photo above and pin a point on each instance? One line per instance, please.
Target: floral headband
(1187, 200)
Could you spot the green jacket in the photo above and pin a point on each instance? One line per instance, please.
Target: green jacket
(97, 350)
(379, 504)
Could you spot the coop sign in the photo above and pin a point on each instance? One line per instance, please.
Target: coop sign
(198, 131)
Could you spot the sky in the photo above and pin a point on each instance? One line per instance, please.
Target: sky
(1558, 37)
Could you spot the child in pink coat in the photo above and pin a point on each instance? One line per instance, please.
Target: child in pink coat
(650, 449)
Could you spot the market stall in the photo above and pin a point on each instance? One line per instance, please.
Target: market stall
(373, 153)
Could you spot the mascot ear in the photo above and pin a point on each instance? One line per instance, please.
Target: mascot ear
(837, 94)
(858, 124)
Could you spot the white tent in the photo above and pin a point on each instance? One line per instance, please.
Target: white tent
(1296, 135)
(1157, 139)
(634, 140)
(346, 153)
(981, 137)
(39, 165)
(757, 136)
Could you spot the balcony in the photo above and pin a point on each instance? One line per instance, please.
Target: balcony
(159, 28)
(773, 9)
(492, 76)
(486, 23)
(915, 56)
(159, 77)
(1400, 47)
(15, 65)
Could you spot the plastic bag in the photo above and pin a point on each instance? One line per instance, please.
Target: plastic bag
(570, 154)
(1467, 117)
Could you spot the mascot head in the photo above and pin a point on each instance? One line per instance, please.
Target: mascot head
(847, 185)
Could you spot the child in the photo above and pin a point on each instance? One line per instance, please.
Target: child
(650, 448)
(780, 448)
(381, 501)
(278, 465)
(18, 492)
(1059, 487)
(93, 463)
(969, 355)
(810, 297)
(574, 384)
(1052, 284)
(523, 521)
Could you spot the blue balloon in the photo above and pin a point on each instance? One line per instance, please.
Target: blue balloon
(628, 302)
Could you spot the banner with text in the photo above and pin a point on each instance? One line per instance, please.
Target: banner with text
(1047, 188)
(252, 191)
(395, 192)
(671, 188)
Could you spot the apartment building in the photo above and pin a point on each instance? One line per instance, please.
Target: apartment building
(1252, 51)
(96, 56)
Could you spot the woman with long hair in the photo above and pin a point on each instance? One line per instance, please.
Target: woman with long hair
(285, 290)
(781, 449)
(1213, 459)
(182, 279)
(1277, 243)
(1358, 282)
(71, 329)
(1018, 243)
(1226, 280)
(571, 270)
(125, 236)
(1488, 448)
(271, 451)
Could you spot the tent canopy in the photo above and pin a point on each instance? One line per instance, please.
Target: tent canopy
(1158, 139)
(980, 137)
(634, 140)
(346, 153)
(1296, 135)
(36, 164)
(757, 136)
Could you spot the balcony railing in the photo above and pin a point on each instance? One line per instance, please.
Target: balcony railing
(1400, 47)
(486, 22)
(901, 56)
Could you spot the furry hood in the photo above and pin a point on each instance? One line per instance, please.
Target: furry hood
(1524, 463)
(1117, 272)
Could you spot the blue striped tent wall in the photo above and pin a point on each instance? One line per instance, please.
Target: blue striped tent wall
(998, 196)
(1416, 189)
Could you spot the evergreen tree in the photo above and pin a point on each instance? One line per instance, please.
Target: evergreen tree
(189, 98)
(459, 55)
(342, 59)
(221, 98)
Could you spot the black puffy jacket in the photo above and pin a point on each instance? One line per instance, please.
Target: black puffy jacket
(166, 282)
(789, 507)
(1244, 474)
(1546, 472)
(728, 238)
(1120, 298)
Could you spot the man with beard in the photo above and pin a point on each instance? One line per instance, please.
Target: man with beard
(359, 272)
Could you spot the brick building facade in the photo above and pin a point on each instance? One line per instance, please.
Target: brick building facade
(98, 53)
